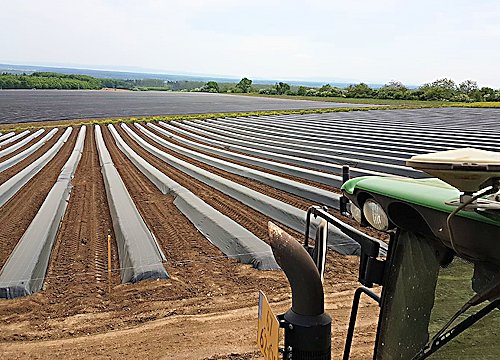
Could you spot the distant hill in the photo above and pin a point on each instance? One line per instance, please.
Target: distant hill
(124, 75)
(106, 74)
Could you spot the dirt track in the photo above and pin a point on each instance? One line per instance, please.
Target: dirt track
(207, 309)
(79, 259)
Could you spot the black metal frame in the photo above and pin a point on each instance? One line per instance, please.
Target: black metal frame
(343, 199)
(354, 314)
(457, 330)
(371, 269)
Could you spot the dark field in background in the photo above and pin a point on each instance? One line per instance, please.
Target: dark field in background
(42, 105)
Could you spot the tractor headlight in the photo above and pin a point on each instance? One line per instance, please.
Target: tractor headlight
(375, 215)
(356, 213)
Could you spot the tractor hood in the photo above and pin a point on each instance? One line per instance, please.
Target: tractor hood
(425, 277)
(421, 206)
(431, 193)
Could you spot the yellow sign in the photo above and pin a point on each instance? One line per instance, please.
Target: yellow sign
(268, 330)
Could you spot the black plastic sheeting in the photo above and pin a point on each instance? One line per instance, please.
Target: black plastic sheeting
(338, 153)
(25, 269)
(12, 186)
(138, 251)
(231, 238)
(283, 148)
(309, 131)
(376, 128)
(308, 174)
(305, 191)
(295, 160)
(24, 154)
(271, 130)
(21, 143)
(279, 211)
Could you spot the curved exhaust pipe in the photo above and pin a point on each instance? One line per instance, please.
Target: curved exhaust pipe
(302, 273)
(307, 327)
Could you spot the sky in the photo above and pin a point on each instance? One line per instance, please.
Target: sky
(372, 41)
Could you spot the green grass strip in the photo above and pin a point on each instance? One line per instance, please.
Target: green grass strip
(374, 101)
(483, 104)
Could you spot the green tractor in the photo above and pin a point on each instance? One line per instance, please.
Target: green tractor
(440, 276)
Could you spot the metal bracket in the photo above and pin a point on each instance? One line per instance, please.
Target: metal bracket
(284, 324)
(457, 330)
(343, 199)
(371, 269)
(354, 314)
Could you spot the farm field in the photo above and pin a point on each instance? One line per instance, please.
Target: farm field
(206, 189)
(43, 105)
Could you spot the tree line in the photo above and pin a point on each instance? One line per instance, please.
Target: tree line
(46, 80)
(50, 80)
(441, 89)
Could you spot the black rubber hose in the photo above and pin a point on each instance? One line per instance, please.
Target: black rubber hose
(299, 268)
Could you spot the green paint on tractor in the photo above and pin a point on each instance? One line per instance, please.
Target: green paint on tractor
(431, 193)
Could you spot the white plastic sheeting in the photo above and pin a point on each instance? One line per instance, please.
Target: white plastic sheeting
(6, 136)
(12, 186)
(279, 211)
(316, 133)
(376, 128)
(25, 153)
(14, 138)
(305, 191)
(21, 143)
(231, 238)
(24, 272)
(138, 252)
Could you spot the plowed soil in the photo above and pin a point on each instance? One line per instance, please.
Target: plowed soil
(207, 309)
(242, 214)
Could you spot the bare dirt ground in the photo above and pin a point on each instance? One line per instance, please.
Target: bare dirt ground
(207, 309)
